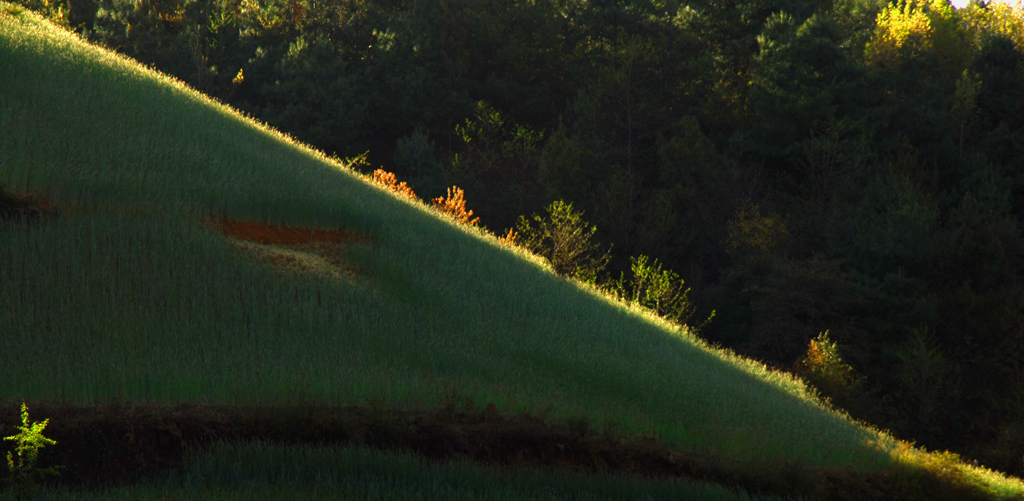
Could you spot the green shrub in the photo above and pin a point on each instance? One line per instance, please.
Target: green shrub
(564, 239)
(824, 367)
(657, 289)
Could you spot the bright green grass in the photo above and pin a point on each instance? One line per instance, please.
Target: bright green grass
(265, 471)
(132, 298)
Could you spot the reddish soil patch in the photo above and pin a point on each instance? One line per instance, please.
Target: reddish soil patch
(292, 248)
(267, 234)
(15, 205)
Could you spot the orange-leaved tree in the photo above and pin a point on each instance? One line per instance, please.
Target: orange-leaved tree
(454, 205)
(509, 238)
(389, 181)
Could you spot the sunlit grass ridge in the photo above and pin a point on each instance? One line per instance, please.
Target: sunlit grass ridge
(128, 295)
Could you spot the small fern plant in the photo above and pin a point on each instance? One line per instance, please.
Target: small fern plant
(22, 461)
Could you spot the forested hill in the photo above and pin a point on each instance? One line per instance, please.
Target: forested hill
(850, 166)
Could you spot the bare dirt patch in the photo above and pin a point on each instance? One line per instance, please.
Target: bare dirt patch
(17, 205)
(293, 248)
(268, 234)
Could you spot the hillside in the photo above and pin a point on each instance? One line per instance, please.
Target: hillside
(138, 287)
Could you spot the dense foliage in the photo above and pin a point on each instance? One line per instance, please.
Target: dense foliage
(850, 166)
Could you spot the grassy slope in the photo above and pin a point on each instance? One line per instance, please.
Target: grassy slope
(130, 296)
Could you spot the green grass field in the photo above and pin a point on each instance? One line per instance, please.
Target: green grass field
(129, 294)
